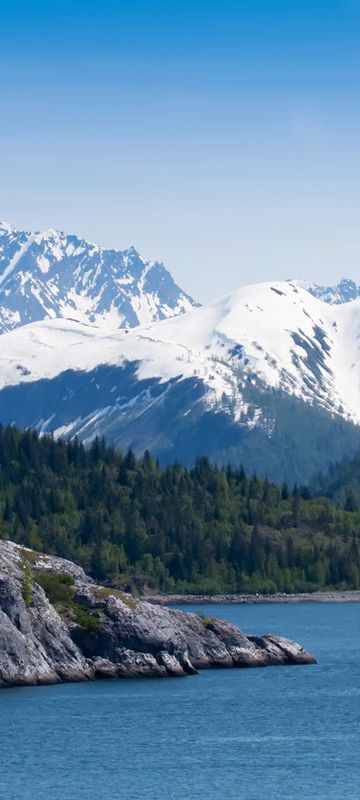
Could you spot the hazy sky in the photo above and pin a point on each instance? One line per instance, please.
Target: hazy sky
(220, 137)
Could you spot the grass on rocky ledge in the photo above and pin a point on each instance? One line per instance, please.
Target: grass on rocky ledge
(59, 589)
(31, 557)
(101, 592)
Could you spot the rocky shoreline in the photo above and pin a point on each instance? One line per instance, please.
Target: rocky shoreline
(96, 632)
(339, 596)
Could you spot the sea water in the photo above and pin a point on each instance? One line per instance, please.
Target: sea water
(259, 734)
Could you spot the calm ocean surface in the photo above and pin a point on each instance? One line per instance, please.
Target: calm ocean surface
(266, 734)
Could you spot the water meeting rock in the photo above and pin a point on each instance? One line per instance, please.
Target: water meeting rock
(105, 633)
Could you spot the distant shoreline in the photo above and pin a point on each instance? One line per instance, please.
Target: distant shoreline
(241, 599)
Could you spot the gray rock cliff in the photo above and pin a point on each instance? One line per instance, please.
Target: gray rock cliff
(105, 633)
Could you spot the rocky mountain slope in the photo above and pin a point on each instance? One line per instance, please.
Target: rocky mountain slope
(267, 367)
(269, 375)
(344, 292)
(273, 334)
(102, 633)
(54, 275)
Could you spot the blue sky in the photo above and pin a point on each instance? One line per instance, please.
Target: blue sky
(220, 137)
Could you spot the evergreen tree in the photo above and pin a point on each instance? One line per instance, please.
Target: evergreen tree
(205, 529)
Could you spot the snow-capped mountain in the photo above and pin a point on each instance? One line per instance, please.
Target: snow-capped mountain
(270, 364)
(344, 292)
(274, 333)
(53, 275)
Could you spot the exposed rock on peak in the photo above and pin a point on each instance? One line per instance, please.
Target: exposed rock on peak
(344, 292)
(53, 274)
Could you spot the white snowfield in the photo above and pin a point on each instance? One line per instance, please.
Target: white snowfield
(277, 332)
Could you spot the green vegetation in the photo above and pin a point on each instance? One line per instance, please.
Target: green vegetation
(129, 600)
(342, 483)
(304, 438)
(129, 522)
(27, 580)
(59, 588)
(82, 616)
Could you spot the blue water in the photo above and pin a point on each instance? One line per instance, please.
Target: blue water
(266, 734)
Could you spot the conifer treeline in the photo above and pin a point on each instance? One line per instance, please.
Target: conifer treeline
(203, 529)
(342, 483)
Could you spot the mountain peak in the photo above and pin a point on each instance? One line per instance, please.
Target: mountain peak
(5, 227)
(234, 380)
(51, 274)
(343, 292)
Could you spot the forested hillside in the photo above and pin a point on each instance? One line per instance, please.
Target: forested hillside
(342, 483)
(128, 521)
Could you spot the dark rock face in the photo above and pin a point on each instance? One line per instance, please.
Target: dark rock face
(128, 637)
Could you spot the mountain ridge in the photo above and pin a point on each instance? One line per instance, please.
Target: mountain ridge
(343, 292)
(57, 275)
(268, 375)
(274, 333)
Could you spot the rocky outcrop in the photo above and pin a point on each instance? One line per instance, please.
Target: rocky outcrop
(104, 633)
